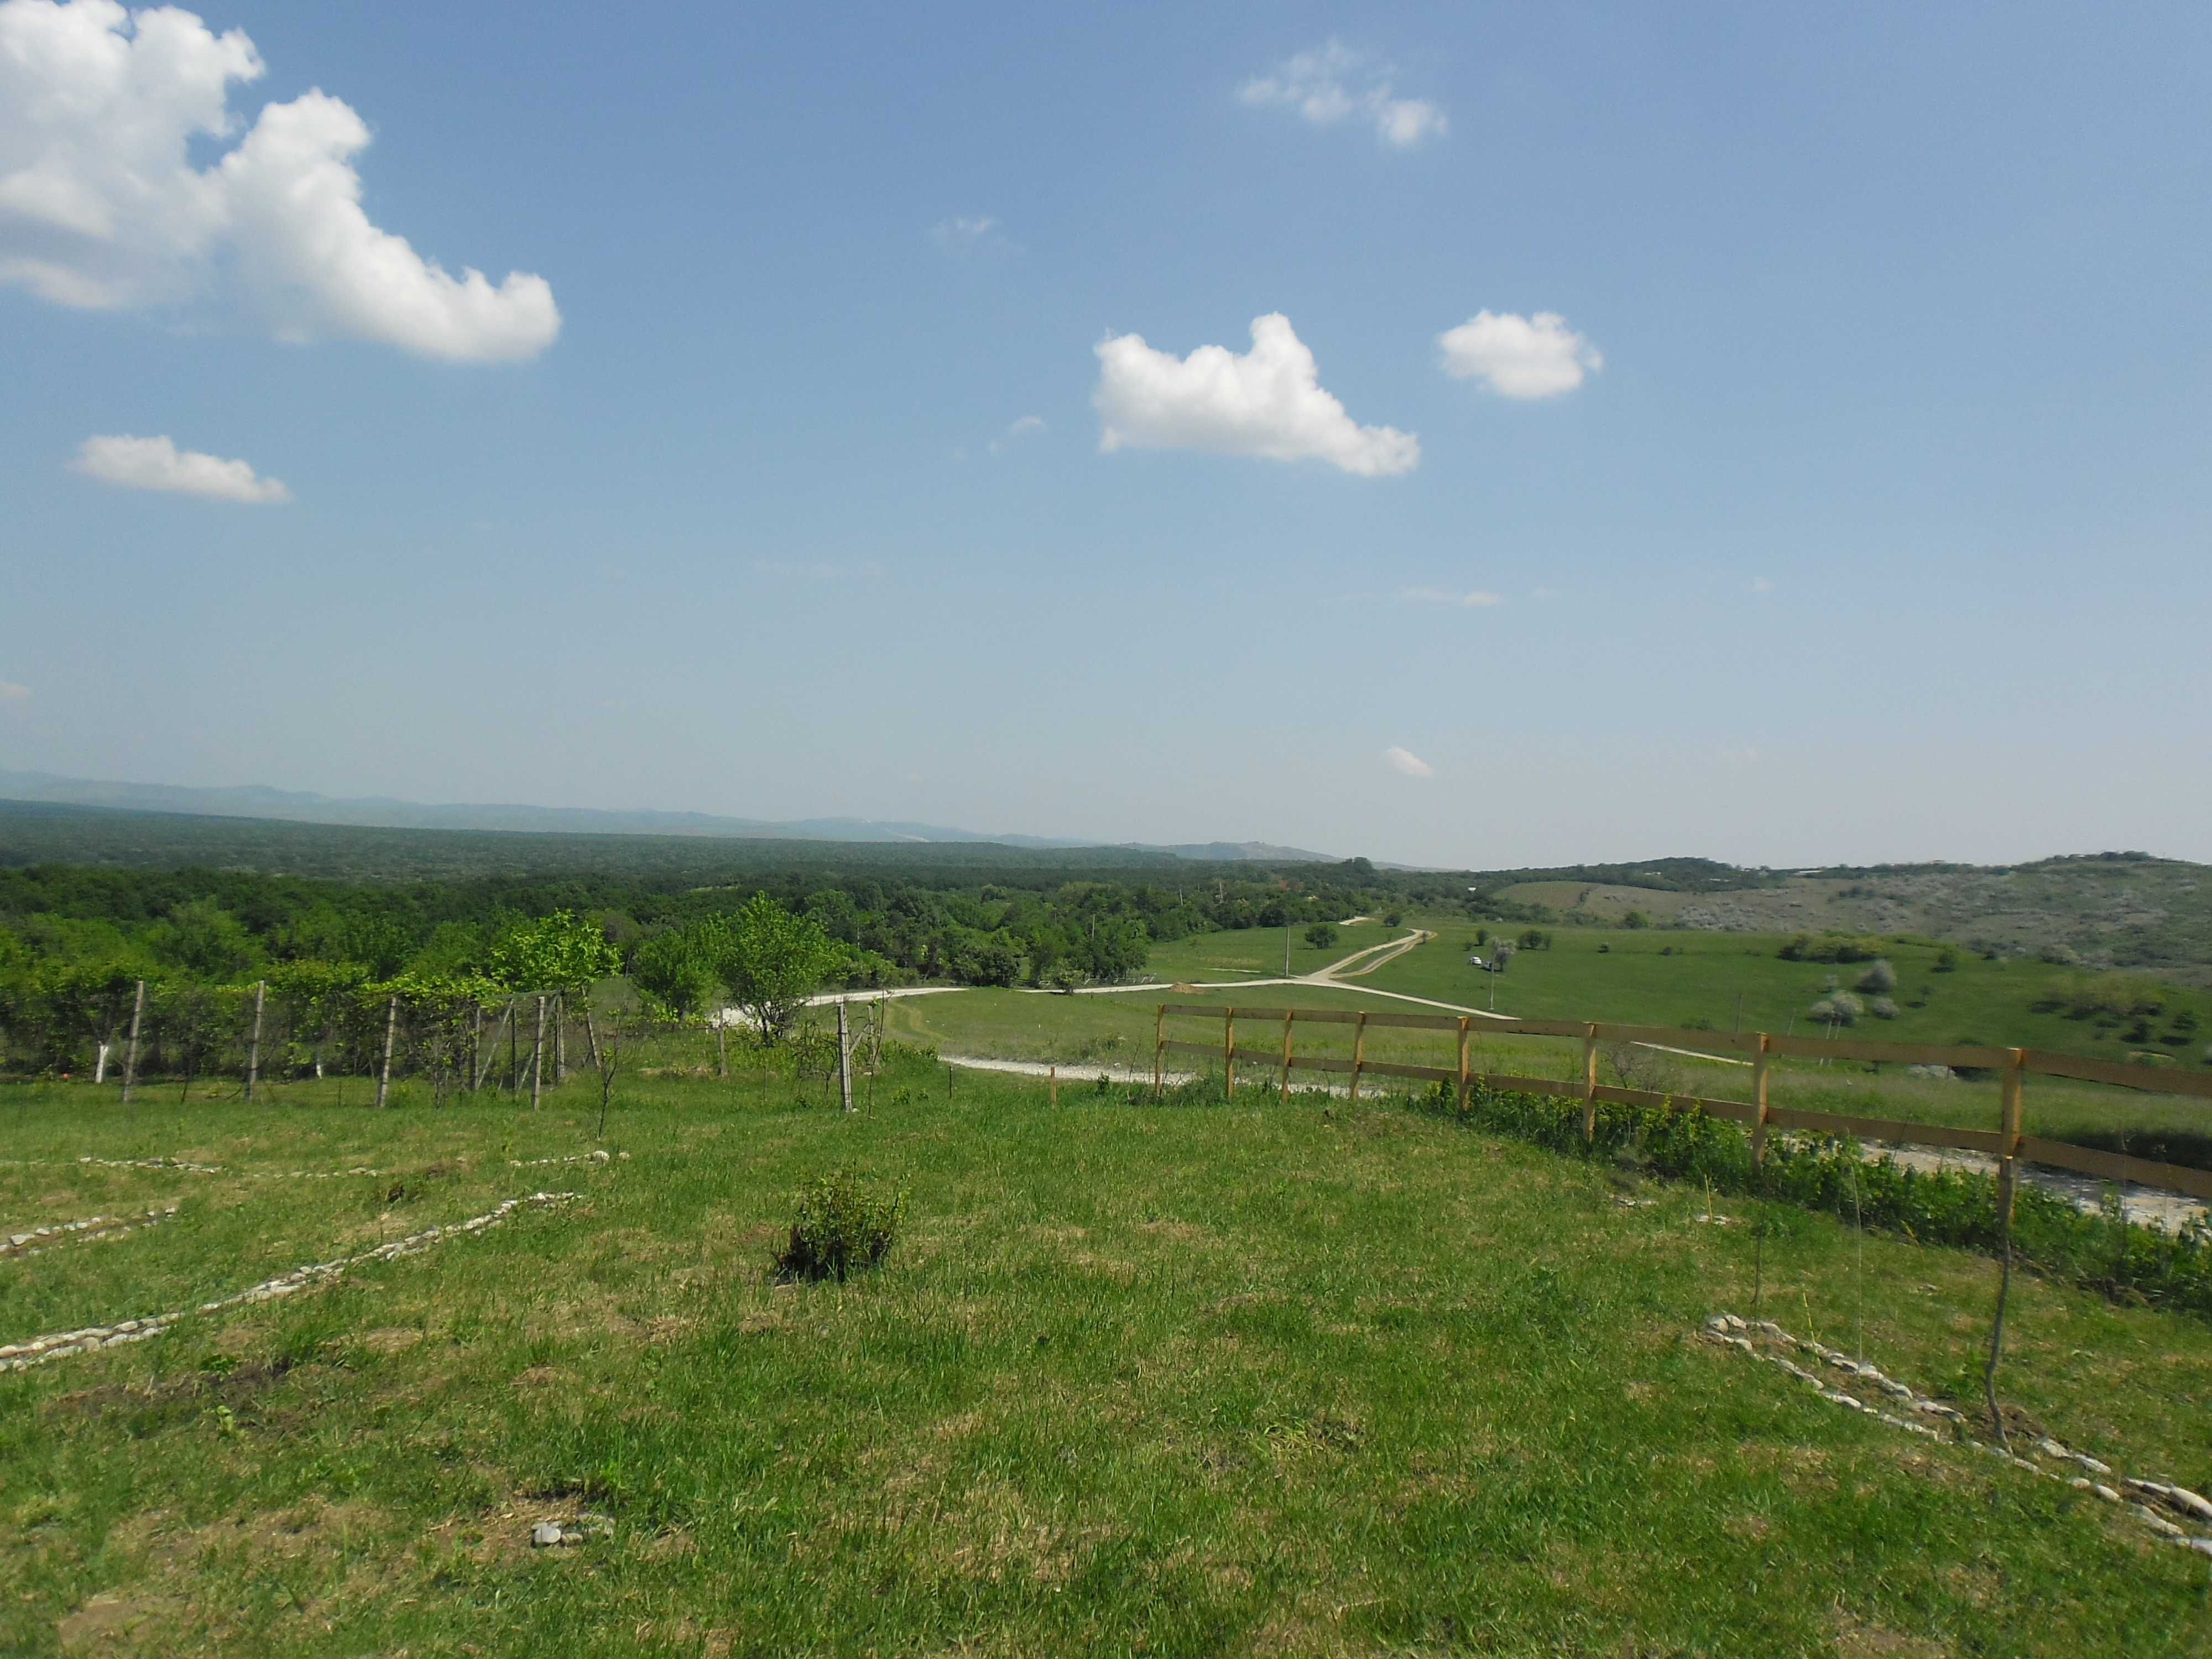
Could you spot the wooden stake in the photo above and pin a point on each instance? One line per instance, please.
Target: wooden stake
(844, 1054)
(475, 1047)
(391, 1033)
(1160, 1051)
(722, 1045)
(1759, 1103)
(560, 1039)
(253, 1048)
(1053, 1073)
(537, 1059)
(2009, 1111)
(1229, 1049)
(131, 1055)
(514, 1050)
(1359, 1053)
(1289, 1014)
(1589, 1087)
(1466, 1025)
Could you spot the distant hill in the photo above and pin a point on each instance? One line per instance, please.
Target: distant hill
(258, 801)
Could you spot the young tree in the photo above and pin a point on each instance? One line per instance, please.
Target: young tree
(1322, 935)
(773, 962)
(679, 970)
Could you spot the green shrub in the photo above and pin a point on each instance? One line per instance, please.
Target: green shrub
(843, 1224)
(1879, 980)
(1954, 1207)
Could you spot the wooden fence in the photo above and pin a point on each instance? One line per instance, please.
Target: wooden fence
(2006, 1142)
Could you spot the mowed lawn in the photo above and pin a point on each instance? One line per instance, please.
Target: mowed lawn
(1189, 1378)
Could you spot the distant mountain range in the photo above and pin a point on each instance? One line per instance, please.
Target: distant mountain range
(258, 801)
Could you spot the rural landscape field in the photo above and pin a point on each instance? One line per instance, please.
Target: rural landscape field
(1117, 1357)
(973, 832)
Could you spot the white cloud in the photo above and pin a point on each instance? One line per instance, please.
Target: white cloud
(158, 463)
(1762, 585)
(965, 236)
(1268, 402)
(1478, 597)
(1537, 356)
(1333, 82)
(102, 208)
(1023, 427)
(1404, 761)
(11, 692)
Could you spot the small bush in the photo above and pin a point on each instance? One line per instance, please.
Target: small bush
(1881, 1008)
(1946, 961)
(1839, 1008)
(1322, 935)
(1879, 980)
(843, 1224)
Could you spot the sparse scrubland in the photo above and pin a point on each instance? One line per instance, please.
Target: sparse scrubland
(1184, 1378)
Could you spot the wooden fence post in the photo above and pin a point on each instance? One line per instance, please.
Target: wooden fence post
(254, 1047)
(1759, 1103)
(391, 1032)
(1465, 1026)
(476, 1048)
(560, 1039)
(1054, 1074)
(131, 1055)
(2013, 1089)
(1289, 1014)
(1229, 1050)
(1589, 1087)
(844, 1054)
(537, 1059)
(1359, 1053)
(1160, 1051)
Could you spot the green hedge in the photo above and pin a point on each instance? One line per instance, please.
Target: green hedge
(2100, 1251)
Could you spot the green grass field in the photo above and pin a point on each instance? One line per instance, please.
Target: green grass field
(1186, 1379)
(1630, 984)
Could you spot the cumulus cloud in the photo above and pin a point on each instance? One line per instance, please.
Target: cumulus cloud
(1332, 83)
(1537, 356)
(101, 208)
(1268, 401)
(1412, 765)
(1478, 597)
(11, 692)
(158, 463)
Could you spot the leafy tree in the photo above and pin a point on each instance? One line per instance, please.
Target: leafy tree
(680, 970)
(1636, 919)
(1322, 935)
(1946, 960)
(203, 941)
(773, 961)
(557, 952)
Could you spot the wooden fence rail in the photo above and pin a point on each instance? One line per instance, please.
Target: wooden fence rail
(2005, 1143)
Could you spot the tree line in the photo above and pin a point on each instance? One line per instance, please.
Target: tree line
(333, 959)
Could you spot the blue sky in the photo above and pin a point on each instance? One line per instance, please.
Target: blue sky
(1863, 514)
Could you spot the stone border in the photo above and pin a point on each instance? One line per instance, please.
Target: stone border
(37, 1242)
(1729, 1331)
(38, 1350)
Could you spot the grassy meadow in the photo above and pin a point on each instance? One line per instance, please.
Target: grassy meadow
(1191, 1378)
(1647, 976)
